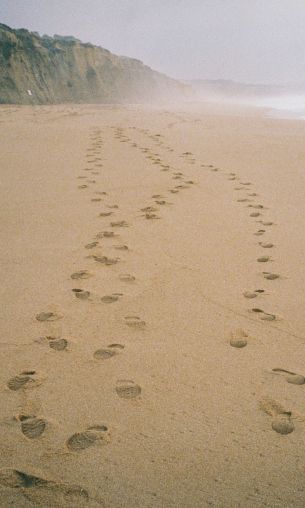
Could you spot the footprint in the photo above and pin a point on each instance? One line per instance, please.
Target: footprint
(281, 422)
(264, 316)
(253, 294)
(91, 245)
(94, 435)
(151, 216)
(32, 427)
(238, 338)
(126, 277)
(109, 298)
(250, 294)
(106, 234)
(83, 186)
(96, 199)
(104, 260)
(258, 207)
(21, 380)
(42, 492)
(263, 259)
(256, 309)
(57, 344)
(270, 276)
(82, 274)
(105, 214)
(260, 232)
(149, 209)
(291, 377)
(104, 353)
(48, 316)
(266, 223)
(121, 247)
(119, 224)
(266, 245)
(128, 389)
(81, 294)
(135, 322)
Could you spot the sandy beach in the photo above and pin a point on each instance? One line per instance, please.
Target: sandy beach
(152, 324)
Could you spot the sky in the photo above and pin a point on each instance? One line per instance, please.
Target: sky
(253, 41)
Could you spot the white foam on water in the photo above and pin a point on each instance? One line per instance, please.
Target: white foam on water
(284, 106)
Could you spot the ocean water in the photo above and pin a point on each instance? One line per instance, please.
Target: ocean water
(276, 106)
(284, 106)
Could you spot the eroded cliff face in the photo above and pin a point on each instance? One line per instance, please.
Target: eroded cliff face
(52, 70)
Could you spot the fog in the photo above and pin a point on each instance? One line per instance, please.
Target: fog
(254, 41)
(245, 43)
(280, 106)
(288, 106)
(281, 101)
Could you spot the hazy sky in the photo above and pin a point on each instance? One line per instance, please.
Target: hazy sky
(244, 40)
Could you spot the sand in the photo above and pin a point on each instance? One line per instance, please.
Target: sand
(153, 324)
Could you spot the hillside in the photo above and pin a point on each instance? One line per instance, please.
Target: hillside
(52, 70)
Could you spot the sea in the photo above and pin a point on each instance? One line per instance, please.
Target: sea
(283, 106)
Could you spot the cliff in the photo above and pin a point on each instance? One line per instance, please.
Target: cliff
(52, 70)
